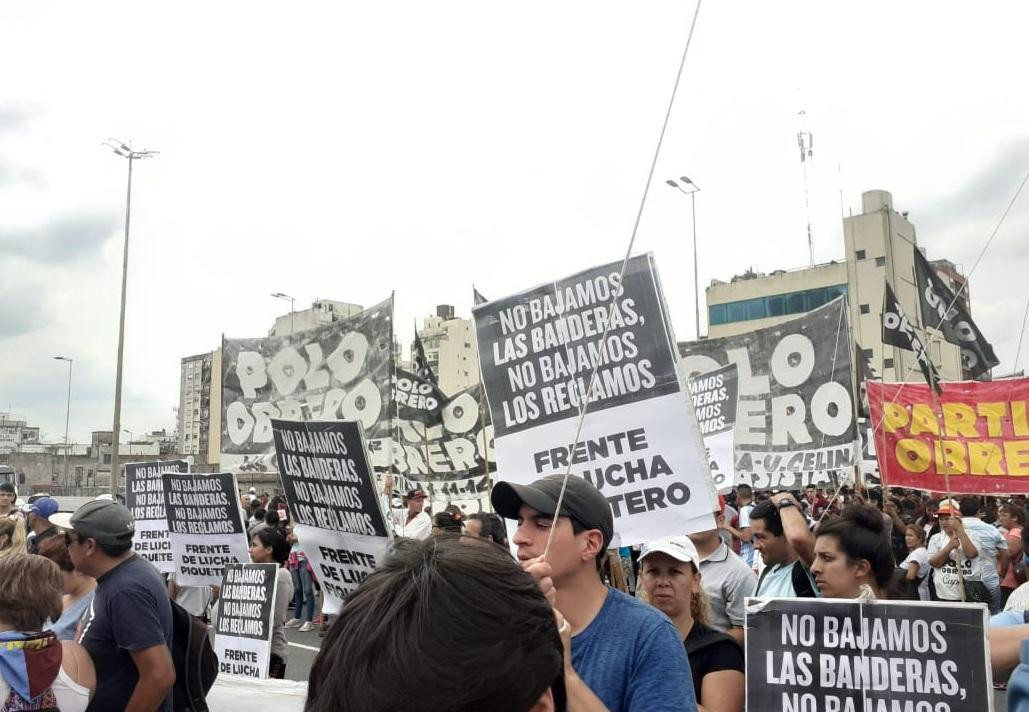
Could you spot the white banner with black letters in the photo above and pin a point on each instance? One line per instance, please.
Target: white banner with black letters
(640, 443)
(243, 625)
(205, 524)
(795, 416)
(332, 496)
(833, 655)
(144, 496)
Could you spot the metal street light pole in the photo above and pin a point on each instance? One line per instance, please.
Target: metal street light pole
(292, 312)
(67, 415)
(124, 151)
(692, 192)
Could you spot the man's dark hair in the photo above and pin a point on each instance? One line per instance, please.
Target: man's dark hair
(469, 629)
(769, 513)
(271, 518)
(7, 487)
(273, 538)
(492, 526)
(745, 490)
(259, 514)
(970, 506)
(113, 550)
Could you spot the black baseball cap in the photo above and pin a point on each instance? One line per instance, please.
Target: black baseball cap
(582, 502)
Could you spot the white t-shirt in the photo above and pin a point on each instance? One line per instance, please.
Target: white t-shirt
(746, 547)
(418, 528)
(945, 578)
(919, 556)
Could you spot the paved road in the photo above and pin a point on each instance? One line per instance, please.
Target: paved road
(302, 649)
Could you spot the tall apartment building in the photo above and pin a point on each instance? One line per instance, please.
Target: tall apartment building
(449, 344)
(200, 396)
(878, 247)
(322, 311)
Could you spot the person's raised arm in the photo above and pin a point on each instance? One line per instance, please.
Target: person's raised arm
(794, 526)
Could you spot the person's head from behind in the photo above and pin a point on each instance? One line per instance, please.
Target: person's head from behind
(582, 530)
(768, 535)
(486, 525)
(468, 627)
(914, 537)
(98, 535)
(271, 518)
(30, 592)
(55, 548)
(852, 550)
(744, 494)
(269, 546)
(447, 522)
(259, 514)
(9, 534)
(670, 577)
(971, 506)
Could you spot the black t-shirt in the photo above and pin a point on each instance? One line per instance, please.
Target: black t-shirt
(724, 654)
(130, 611)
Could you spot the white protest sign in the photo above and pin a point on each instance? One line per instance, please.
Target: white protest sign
(331, 492)
(205, 524)
(640, 443)
(243, 626)
(144, 496)
(714, 397)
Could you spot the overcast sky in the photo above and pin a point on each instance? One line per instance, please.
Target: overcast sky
(342, 150)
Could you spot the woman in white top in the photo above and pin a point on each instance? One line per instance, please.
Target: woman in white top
(266, 547)
(916, 565)
(55, 676)
(957, 568)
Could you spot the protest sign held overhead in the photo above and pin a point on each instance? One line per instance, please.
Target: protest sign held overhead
(942, 310)
(144, 496)
(243, 626)
(205, 525)
(975, 434)
(834, 655)
(416, 398)
(340, 371)
(795, 416)
(640, 444)
(714, 396)
(328, 483)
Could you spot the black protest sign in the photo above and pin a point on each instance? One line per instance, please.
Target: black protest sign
(205, 524)
(341, 370)
(714, 398)
(144, 496)
(417, 398)
(835, 655)
(243, 626)
(327, 478)
(795, 415)
(538, 348)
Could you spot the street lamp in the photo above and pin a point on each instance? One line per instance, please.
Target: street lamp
(67, 415)
(691, 190)
(126, 152)
(292, 324)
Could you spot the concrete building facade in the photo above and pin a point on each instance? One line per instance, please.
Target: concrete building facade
(322, 311)
(15, 432)
(199, 404)
(878, 247)
(449, 344)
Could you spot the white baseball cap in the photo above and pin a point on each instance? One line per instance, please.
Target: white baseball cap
(679, 548)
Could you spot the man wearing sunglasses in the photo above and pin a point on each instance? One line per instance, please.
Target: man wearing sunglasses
(128, 628)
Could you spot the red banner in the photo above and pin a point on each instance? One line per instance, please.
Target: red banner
(976, 435)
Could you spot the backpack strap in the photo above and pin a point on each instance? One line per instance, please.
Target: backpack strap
(802, 584)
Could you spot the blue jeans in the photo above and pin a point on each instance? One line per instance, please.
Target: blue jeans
(303, 592)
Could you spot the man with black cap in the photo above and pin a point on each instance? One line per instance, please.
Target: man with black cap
(128, 628)
(625, 655)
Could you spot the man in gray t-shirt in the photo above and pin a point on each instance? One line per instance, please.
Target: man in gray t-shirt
(726, 580)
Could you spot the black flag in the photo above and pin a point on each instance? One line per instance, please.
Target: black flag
(419, 363)
(897, 331)
(940, 310)
(864, 370)
(477, 298)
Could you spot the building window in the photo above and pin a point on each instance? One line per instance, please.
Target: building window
(888, 363)
(860, 254)
(716, 314)
(107, 459)
(865, 309)
(867, 353)
(880, 261)
(772, 306)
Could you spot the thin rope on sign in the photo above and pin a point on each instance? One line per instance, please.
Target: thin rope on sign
(585, 398)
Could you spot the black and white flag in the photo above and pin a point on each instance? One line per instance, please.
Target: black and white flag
(477, 297)
(420, 364)
(898, 331)
(941, 310)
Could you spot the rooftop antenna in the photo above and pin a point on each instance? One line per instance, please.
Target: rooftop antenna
(805, 142)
